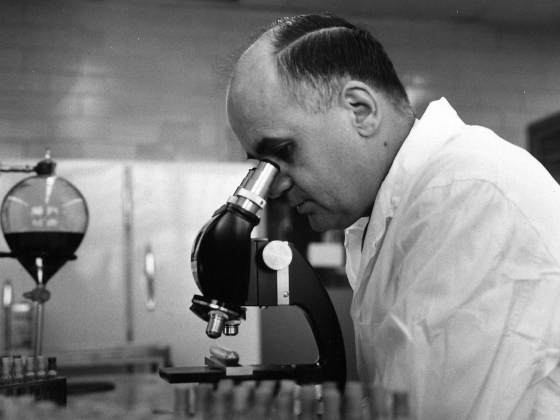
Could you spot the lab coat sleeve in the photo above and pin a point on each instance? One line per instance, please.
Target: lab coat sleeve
(475, 296)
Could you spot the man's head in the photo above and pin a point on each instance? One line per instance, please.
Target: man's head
(319, 97)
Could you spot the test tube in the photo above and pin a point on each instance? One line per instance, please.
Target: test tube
(285, 400)
(51, 368)
(308, 401)
(331, 401)
(29, 369)
(222, 399)
(17, 369)
(41, 365)
(352, 401)
(380, 402)
(241, 403)
(262, 401)
(6, 374)
(181, 402)
(204, 401)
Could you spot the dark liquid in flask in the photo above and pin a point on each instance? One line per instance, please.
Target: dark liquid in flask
(55, 248)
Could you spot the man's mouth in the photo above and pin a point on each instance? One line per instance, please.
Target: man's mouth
(299, 207)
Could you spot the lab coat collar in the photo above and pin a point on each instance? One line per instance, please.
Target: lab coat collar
(427, 135)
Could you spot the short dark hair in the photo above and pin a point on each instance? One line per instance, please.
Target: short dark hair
(317, 54)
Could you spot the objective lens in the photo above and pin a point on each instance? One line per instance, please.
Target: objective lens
(216, 324)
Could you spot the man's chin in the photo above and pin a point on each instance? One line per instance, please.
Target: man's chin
(319, 224)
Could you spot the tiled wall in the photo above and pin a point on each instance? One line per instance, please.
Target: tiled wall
(500, 79)
(135, 79)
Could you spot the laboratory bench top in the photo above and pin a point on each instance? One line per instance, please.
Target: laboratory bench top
(122, 391)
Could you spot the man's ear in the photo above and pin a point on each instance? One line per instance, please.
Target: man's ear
(362, 102)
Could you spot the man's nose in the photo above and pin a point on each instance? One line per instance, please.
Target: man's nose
(281, 185)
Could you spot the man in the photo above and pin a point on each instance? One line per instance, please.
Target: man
(453, 234)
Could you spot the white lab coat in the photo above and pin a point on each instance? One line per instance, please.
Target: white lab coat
(457, 288)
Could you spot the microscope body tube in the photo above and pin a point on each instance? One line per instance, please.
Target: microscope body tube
(221, 256)
(221, 260)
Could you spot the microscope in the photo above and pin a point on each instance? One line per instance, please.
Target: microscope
(234, 271)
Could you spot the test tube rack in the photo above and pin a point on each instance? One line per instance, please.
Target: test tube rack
(54, 389)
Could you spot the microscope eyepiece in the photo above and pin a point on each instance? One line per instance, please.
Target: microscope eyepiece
(253, 190)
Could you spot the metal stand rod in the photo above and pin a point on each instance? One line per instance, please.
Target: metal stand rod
(8, 330)
(39, 296)
(7, 298)
(39, 316)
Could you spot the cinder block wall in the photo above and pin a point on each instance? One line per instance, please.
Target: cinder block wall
(136, 79)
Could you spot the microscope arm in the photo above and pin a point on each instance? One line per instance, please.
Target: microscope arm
(300, 286)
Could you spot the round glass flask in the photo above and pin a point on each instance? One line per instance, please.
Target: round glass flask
(44, 219)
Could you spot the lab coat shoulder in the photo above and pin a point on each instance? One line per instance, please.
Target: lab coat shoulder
(470, 281)
(476, 216)
(478, 154)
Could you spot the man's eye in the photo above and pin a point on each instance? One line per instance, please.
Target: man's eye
(285, 153)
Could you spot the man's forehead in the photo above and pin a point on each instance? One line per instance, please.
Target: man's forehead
(255, 94)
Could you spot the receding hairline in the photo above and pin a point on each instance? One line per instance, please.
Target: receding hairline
(297, 91)
(265, 39)
(310, 97)
(254, 71)
(260, 51)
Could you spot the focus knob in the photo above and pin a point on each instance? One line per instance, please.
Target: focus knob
(277, 255)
